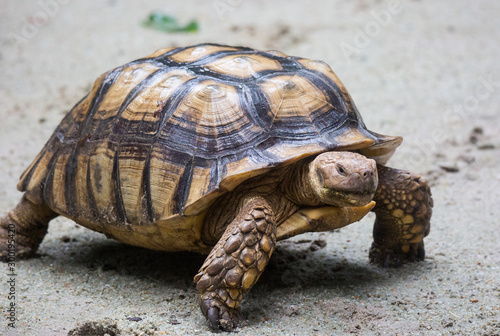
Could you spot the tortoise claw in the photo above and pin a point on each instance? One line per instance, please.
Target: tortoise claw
(213, 317)
(396, 257)
(220, 316)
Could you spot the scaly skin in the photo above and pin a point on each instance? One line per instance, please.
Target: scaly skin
(404, 209)
(27, 224)
(235, 264)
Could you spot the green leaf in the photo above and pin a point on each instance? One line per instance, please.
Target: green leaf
(163, 22)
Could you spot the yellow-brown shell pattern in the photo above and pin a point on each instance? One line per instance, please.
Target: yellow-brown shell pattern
(166, 134)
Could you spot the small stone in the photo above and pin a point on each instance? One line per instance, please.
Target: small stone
(447, 323)
(475, 134)
(173, 321)
(486, 147)
(182, 294)
(317, 244)
(466, 158)
(134, 319)
(106, 327)
(313, 247)
(292, 311)
(449, 167)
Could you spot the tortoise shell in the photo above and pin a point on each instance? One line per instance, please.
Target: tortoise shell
(146, 152)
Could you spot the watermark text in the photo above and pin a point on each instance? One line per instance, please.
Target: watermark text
(11, 276)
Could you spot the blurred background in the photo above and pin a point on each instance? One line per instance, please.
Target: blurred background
(426, 70)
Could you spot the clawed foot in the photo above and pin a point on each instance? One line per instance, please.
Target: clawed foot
(219, 315)
(10, 255)
(396, 257)
(22, 230)
(11, 248)
(16, 246)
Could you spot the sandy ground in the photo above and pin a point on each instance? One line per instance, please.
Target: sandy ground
(426, 70)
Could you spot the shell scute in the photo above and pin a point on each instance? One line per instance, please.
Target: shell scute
(243, 66)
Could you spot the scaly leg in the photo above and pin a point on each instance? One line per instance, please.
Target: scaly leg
(403, 210)
(23, 229)
(236, 262)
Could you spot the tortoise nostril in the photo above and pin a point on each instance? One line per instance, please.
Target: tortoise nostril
(367, 173)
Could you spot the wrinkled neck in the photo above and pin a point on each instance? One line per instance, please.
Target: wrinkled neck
(296, 184)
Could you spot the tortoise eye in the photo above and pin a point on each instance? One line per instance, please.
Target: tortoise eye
(341, 170)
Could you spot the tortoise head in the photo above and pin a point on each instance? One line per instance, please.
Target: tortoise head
(343, 178)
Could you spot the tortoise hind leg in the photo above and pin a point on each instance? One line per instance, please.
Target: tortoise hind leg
(236, 262)
(22, 229)
(403, 213)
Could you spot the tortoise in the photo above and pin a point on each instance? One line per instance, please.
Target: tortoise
(221, 150)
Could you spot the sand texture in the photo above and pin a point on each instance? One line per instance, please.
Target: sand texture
(426, 70)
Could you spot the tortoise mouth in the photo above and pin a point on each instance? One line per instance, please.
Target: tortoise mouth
(348, 198)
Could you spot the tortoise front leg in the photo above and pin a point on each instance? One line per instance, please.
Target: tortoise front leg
(403, 210)
(235, 264)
